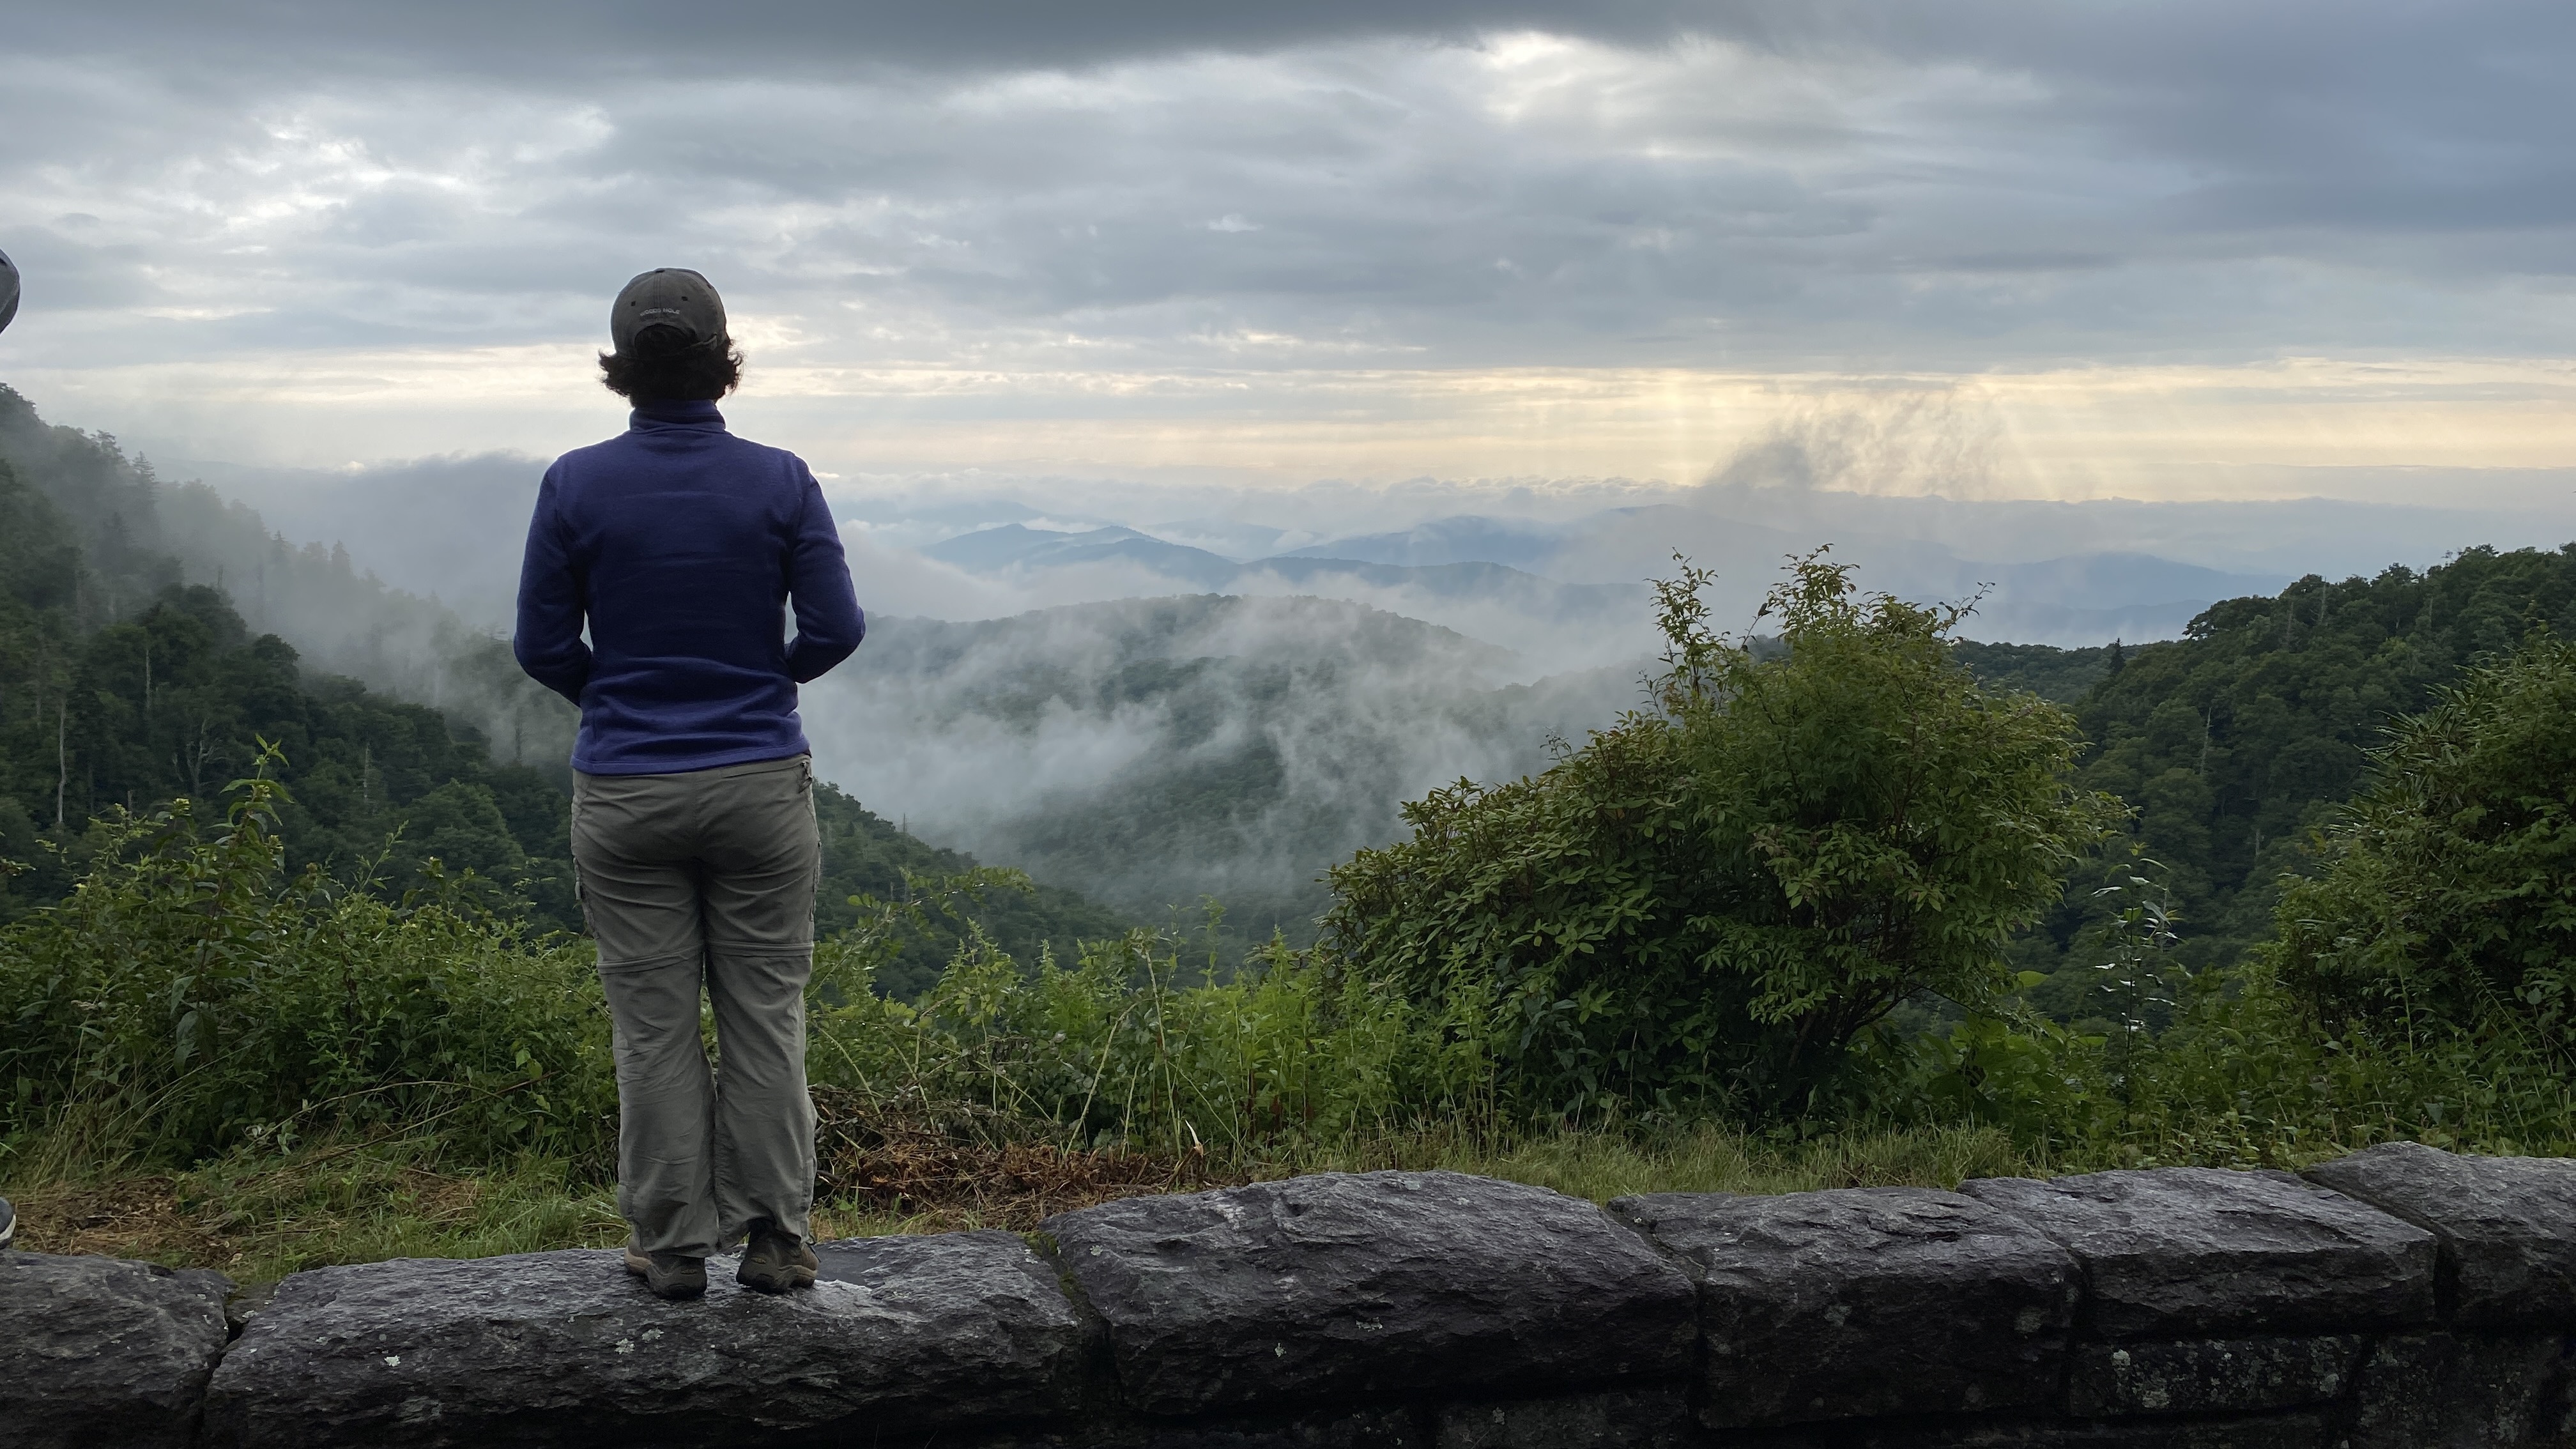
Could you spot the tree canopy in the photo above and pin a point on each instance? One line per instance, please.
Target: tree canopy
(1713, 899)
(2448, 893)
(2235, 743)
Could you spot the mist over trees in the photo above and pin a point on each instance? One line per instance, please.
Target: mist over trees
(1154, 752)
(121, 700)
(141, 533)
(141, 661)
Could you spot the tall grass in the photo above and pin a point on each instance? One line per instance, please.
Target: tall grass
(1132, 1047)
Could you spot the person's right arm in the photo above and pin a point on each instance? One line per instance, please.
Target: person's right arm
(548, 640)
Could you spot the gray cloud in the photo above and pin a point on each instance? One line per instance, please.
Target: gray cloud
(1883, 184)
(661, 39)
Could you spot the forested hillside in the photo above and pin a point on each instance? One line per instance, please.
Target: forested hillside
(2236, 742)
(2061, 676)
(141, 533)
(127, 678)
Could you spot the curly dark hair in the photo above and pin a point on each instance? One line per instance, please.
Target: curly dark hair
(653, 373)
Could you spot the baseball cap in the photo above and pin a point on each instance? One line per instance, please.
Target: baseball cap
(673, 297)
(8, 290)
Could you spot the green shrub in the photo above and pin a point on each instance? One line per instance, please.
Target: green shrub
(190, 995)
(2419, 984)
(2235, 1068)
(2448, 899)
(1706, 905)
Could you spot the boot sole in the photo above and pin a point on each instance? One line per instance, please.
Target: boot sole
(671, 1287)
(796, 1277)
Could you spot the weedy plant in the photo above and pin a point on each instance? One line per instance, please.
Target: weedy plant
(1133, 1046)
(191, 995)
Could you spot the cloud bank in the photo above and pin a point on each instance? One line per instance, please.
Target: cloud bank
(2163, 244)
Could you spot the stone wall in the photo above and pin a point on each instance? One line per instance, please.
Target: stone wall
(2396, 1299)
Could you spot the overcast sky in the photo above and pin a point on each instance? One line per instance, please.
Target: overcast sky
(2187, 248)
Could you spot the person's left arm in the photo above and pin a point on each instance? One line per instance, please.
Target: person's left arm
(829, 624)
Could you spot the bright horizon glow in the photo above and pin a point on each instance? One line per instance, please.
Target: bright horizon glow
(2270, 430)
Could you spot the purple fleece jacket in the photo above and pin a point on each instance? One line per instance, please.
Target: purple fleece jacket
(680, 545)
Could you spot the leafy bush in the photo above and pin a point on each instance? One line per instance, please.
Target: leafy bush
(2448, 898)
(2244, 1068)
(1710, 902)
(190, 994)
(2419, 985)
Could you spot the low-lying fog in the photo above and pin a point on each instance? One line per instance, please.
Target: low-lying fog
(1323, 654)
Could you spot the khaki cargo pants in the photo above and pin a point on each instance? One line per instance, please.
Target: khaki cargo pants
(705, 879)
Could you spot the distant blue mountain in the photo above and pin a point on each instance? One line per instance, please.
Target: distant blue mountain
(2115, 581)
(1466, 538)
(1016, 543)
(1454, 581)
(1016, 546)
(1577, 577)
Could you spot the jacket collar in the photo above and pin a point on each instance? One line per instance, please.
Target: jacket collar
(675, 414)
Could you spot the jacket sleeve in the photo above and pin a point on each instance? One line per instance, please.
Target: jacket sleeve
(829, 624)
(548, 641)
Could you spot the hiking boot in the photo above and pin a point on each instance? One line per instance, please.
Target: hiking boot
(775, 1262)
(8, 1223)
(667, 1275)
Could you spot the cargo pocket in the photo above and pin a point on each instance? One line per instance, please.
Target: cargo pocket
(572, 857)
(581, 898)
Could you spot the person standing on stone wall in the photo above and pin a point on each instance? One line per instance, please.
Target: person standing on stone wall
(693, 835)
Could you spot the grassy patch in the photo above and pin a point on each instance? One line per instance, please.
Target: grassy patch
(259, 1218)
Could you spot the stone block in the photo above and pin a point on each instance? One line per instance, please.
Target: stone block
(1372, 1427)
(2191, 1252)
(1865, 1301)
(1655, 1418)
(1338, 1285)
(2461, 1391)
(2506, 1225)
(2306, 1429)
(2553, 1418)
(565, 1349)
(103, 1351)
(2226, 1376)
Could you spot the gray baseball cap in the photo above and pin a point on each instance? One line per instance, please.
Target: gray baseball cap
(8, 290)
(673, 297)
